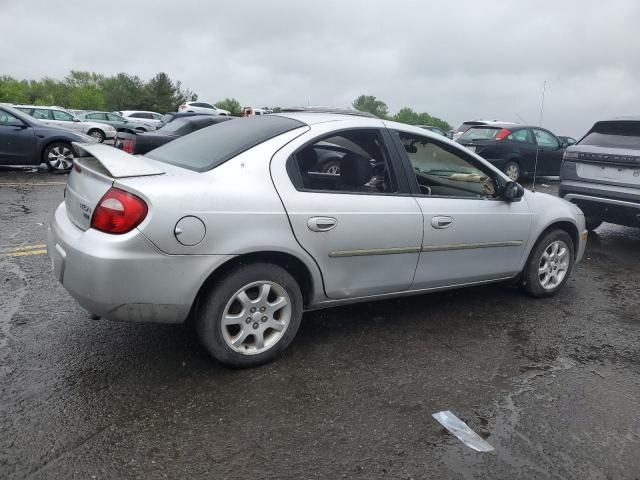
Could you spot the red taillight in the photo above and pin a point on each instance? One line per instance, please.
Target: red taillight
(118, 212)
(502, 134)
(128, 145)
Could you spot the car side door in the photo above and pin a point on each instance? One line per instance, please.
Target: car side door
(359, 223)
(17, 141)
(550, 152)
(471, 234)
(65, 120)
(522, 142)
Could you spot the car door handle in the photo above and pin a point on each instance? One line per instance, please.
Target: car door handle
(441, 222)
(321, 224)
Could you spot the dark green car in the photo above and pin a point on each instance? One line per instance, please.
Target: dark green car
(118, 122)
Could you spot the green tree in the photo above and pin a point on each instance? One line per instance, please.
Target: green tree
(369, 103)
(13, 91)
(232, 105)
(122, 92)
(407, 115)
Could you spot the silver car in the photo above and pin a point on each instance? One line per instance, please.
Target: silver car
(236, 228)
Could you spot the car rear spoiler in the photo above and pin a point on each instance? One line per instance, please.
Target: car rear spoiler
(119, 164)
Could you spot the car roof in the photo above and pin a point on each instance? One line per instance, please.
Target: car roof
(628, 118)
(341, 111)
(312, 118)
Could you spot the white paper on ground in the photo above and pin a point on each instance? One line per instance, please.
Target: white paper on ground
(462, 431)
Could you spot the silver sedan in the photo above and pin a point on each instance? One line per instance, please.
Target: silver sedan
(240, 228)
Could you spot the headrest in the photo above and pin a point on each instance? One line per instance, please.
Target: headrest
(355, 170)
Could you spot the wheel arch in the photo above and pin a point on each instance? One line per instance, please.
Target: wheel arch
(292, 264)
(568, 227)
(43, 147)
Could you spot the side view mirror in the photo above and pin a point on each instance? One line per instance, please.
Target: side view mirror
(17, 123)
(564, 145)
(512, 191)
(77, 120)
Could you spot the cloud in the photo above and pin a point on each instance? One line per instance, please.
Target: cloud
(458, 60)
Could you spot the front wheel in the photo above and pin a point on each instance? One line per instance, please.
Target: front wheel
(251, 315)
(549, 265)
(59, 157)
(97, 134)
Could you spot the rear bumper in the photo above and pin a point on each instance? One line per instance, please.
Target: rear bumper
(619, 205)
(125, 277)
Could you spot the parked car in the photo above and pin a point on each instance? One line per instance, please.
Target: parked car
(233, 227)
(457, 133)
(150, 118)
(120, 123)
(140, 143)
(601, 173)
(58, 117)
(27, 141)
(568, 140)
(171, 116)
(249, 111)
(202, 107)
(433, 129)
(515, 149)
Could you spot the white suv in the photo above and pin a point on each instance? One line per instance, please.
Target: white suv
(59, 117)
(201, 107)
(148, 118)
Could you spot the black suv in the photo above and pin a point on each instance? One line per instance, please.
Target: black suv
(513, 148)
(601, 173)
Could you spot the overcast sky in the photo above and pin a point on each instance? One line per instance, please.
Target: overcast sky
(458, 60)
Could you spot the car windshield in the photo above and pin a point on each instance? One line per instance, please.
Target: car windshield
(614, 135)
(212, 146)
(480, 133)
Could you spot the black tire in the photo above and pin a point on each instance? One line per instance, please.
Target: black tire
(51, 156)
(531, 275)
(97, 134)
(592, 223)
(512, 170)
(331, 166)
(208, 319)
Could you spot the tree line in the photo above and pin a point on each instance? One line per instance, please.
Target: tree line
(370, 104)
(93, 91)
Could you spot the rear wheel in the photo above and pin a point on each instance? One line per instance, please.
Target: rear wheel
(592, 223)
(512, 169)
(59, 157)
(97, 134)
(549, 264)
(251, 315)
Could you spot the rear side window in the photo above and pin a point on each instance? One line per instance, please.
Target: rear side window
(524, 135)
(212, 146)
(483, 133)
(614, 135)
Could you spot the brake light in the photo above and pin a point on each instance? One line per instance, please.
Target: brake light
(128, 145)
(502, 134)
(118, 212)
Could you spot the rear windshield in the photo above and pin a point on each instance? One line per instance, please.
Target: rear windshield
(179, 125)
(466, 126)
(614, 135)
(214, 145)
(480, 133)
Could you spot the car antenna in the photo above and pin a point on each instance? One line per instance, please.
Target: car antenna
(535, 167)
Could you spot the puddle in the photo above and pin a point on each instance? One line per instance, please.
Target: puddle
(13, 286)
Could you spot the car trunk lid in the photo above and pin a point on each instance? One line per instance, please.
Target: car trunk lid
(94, 172)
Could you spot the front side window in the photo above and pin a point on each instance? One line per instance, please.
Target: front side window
(62, 116)
(352, 161)
(6, 118)
(115, 118)
(545, 139)
(155, 116)
(443, 170)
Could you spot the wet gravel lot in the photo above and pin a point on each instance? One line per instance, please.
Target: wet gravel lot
(553, 385)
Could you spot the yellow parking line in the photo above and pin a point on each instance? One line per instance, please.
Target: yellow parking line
(33, 184)
(24, 253)
(10, 249)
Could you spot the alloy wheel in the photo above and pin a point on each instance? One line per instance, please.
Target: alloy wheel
(256, 317)
(554, 265)
(513, 171)
(60, 158)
